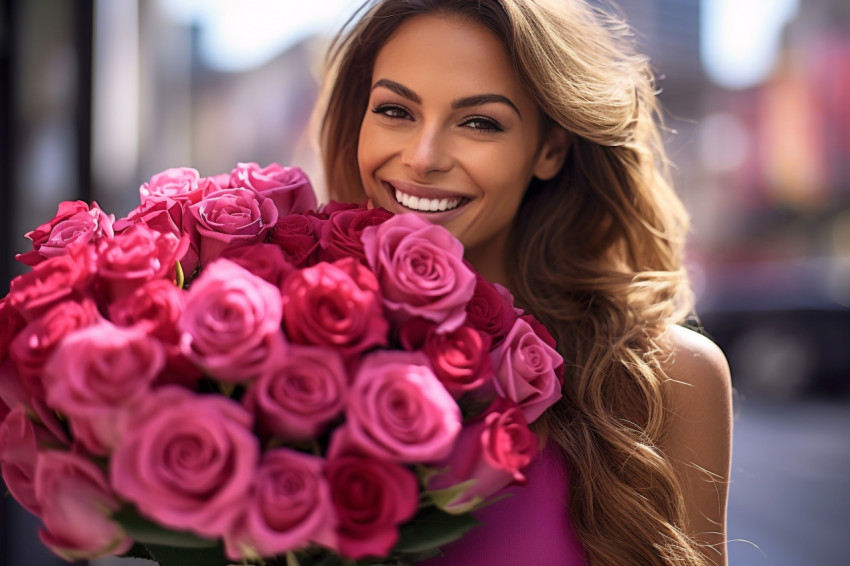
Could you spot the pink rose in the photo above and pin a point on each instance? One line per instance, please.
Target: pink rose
(96, 374)
(421, 270)
(187, 461)
(231, 322)
(398, 410)
(526, 370)
(31, 349)
(294, 235)
(263, 260)
(299, 394)
(288, 187)
(19, 443)
(226, 218)
(340, 235)
(490, 453)
(75, 222)
(335, 305)
(181, 184)
(289, 508)
(76, 508)
(371, 498)
(136, 256)
(489, 311)
(52, 281)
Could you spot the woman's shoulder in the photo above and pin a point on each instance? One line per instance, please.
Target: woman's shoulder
(699, 438)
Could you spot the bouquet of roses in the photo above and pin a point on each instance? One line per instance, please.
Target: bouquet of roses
(231, 373)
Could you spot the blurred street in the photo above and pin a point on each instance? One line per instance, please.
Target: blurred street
(790, 492)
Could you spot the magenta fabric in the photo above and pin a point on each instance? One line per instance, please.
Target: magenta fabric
(531, 527)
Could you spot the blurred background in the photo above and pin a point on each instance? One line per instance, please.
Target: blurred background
(98, 95)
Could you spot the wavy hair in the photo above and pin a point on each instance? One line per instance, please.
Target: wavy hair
(598, 251)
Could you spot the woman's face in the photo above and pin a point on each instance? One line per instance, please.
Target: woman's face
(450, 132)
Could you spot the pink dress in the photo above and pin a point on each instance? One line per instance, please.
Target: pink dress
(529, 528)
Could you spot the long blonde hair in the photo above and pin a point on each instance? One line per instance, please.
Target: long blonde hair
(598, 251)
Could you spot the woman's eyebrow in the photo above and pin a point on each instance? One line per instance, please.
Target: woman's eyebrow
(398, 88)
(477, 99)
(464, 102)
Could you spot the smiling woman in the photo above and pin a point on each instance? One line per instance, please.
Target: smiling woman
(529, 129)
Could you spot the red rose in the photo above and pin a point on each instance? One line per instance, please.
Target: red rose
(336, 305)
(460, 359)
(266, 261)
(371, 497)
(11, 322)
(340, 236)
(74, 222)
(490, 312)
(294, 235)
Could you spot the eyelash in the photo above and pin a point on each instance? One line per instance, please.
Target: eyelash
(488, 125)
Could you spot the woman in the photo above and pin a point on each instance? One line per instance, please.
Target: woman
(528, 128)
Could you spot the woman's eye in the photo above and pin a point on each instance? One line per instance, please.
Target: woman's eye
(482, 124)
(391, 111)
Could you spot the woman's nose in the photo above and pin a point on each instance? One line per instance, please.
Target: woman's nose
(427, 152)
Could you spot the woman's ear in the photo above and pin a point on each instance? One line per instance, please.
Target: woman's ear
(552, 153)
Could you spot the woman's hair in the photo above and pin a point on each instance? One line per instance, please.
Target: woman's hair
(596, 252)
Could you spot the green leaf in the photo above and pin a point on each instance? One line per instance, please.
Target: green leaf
(444, 498)
(138, 550)
(433, 528)
(147, 532)
(173, 556)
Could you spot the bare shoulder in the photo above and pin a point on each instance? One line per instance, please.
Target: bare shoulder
(699, 438)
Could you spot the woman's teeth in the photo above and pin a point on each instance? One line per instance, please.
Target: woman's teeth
(426, 204)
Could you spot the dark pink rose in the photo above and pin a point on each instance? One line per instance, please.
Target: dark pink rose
(299, 394)
(398, 410)
(181, 184)
(96, 374)
(489, 311)
(163, 215)
(187, 461)
(290, 508)
(57, 279)
(340, 235)
(20, 439)
(460, 359)
(526, 370)
(226, 218)
(13, 394)
(155, 307)
(75, 222)
(136, 256)
(336, 305)
(230, 324)
(11, 322)
(491, 453)
(333, 206)
(294, 235)
(288, 187)
(31, 349)
(76, 508)
(421, 270)
(371, 498)
(263, 260)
